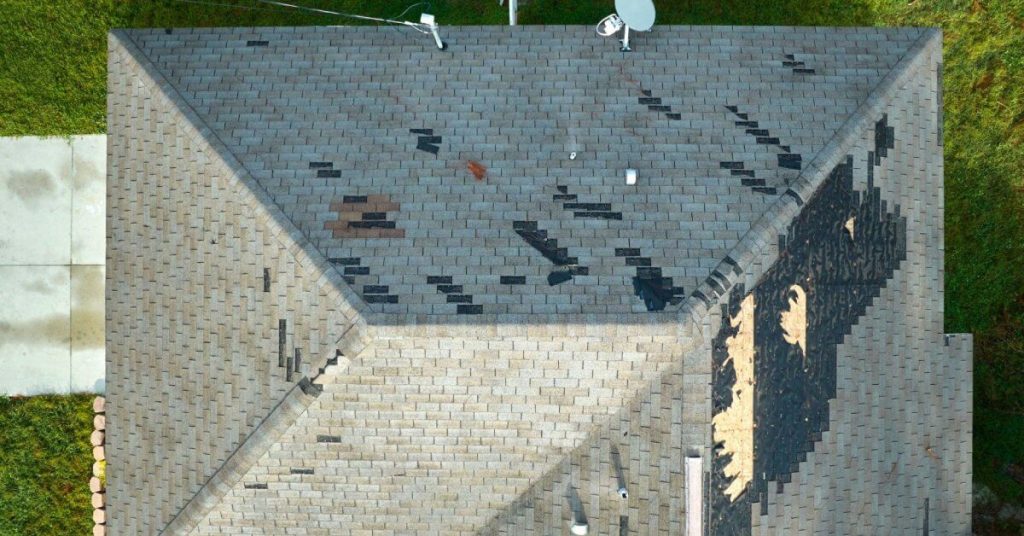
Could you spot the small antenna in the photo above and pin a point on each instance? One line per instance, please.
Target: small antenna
(426, 24)
(636, 14)
(427, 20)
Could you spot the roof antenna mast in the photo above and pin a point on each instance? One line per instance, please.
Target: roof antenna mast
(426, 24)
(636, 14)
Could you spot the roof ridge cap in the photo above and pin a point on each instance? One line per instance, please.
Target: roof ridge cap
(281, 227)
(752, 247)
(258, 442)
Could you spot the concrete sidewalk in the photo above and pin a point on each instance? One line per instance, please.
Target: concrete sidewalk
(52, 256)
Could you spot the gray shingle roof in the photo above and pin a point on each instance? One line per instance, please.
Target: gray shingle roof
(430, 426)
(364, 138)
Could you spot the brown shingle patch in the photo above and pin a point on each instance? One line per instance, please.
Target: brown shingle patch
(364, 217)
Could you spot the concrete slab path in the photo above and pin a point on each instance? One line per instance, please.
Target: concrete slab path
(52, 257)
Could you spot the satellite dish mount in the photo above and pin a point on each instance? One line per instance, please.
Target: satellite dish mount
(636, 14)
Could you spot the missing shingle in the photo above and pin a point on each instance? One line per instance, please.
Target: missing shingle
(558, 277)
(513, 280)
(380, 298)
(364, 216)
(717, 288)
(548, 247)
(320, 165)
(298, 359)
(301, 471)
(700, 296)
(586, 210)
(588, 206)
(796, 197)
(798, 67)
(257, 43)
(426, 141)
(255, 485)
(282, 340)
(453, 293)
(328, 439)
(655, 291)
(288, 369)
(470, 309)
(426, 147)
(790, 161)
(266, 280)
(371, 224)
(925, 528)
(598, 215)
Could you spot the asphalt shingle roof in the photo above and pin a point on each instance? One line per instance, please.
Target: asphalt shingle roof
(365, 138)
(516, 331)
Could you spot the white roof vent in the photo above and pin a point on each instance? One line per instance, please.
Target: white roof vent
(630, 177)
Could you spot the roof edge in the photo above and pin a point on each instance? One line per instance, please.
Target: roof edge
(263, 208)
(755, 247)
(259, 441)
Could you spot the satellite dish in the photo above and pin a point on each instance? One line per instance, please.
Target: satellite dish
(609, 25)
(637, 14)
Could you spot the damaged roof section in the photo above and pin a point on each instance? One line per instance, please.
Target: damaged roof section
(716, 121)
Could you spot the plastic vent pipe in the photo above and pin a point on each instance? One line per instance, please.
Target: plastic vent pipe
(694, 496)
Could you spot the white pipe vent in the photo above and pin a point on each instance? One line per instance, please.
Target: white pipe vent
(694, 496)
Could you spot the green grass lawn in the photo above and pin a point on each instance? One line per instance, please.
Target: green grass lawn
(52, 81)
(45, 465)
